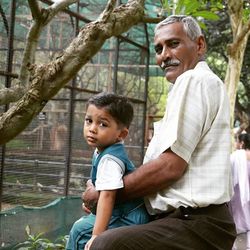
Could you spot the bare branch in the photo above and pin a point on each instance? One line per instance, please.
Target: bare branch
(244, 32)
(8, 95)
(45, 16)
(107, 11)
(47, 79)
(60, 5)
(240, 30)
(56, 7)
(235, 9)
(35, 9)
(29, 52)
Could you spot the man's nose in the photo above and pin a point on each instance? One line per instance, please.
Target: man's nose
(166, 53)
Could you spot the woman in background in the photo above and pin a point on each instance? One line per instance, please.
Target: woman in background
(240, 202)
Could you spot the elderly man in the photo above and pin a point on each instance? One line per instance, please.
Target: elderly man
(185, 177)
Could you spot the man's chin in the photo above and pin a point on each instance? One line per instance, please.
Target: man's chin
(170, 79)
(171, 75)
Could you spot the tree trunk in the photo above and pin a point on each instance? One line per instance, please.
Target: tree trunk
(233, 75)
(236, 50)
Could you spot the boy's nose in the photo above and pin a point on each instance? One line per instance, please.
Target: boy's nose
(93, 128)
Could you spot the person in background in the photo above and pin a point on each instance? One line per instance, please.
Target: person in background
(239, 140)
(185, 177)
(107, 122)
(240, 202)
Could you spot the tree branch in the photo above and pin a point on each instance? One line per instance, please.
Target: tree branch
(29, 52)
(45, 16)
(241, 31)
(107, 11)
(235, 9)
(8, 95)
(147, 19)
(47, 79)
(244, 32)
(53, 9)
(35, 9)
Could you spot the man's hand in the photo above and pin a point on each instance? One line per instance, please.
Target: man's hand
(90, 198)
(89, 243)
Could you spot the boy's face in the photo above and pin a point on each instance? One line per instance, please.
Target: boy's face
(100, 129)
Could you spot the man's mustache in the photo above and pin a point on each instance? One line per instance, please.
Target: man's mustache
(169, 63)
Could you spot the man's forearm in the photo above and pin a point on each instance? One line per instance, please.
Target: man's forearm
(147, 179)
(153, 176)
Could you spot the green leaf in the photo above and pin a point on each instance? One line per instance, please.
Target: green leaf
(191, 6)
(180, 6)
(207, 15)
(246, 15)
(202, 25)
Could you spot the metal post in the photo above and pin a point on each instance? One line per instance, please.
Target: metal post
(8, 83)
(145, 93)
(70, 124)
(116, 61)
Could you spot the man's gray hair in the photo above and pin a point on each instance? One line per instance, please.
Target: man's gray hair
(190, 25)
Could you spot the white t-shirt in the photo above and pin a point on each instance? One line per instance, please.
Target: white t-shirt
(109, 173)
(196, 126)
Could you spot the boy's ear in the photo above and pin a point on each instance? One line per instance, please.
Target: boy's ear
(123, 134)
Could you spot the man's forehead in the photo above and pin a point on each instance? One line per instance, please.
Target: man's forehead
(169, 31)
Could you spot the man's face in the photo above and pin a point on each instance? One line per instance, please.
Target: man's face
(175, 51)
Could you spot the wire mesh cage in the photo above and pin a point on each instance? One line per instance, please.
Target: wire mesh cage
(50, 159)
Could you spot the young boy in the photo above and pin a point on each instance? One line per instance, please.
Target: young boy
(107, 122)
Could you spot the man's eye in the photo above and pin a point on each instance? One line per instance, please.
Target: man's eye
(158, 49)
(174, 44)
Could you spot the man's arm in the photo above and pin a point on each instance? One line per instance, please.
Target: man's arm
(153, 176)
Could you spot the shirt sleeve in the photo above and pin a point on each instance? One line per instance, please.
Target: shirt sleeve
(109, 173)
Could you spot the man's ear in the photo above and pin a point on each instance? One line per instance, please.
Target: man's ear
(202, 46)
(123, 134)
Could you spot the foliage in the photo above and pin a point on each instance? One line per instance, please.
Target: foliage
(37, 242)
(217, 63)
(246, 11)
(200, 9)
(17, 143)
(242, 95)
(157, 95)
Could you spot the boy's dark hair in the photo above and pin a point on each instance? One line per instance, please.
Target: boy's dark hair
(117, 106)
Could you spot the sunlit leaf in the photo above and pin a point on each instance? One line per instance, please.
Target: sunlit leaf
(207, 15)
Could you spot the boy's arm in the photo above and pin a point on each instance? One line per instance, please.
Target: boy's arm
(104, 210)
(103, 214)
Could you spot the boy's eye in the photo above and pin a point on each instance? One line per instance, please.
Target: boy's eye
(88, 121)
(103, 124)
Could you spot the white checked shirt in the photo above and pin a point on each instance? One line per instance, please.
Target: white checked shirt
(196, 126)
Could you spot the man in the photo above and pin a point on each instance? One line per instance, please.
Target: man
(185, 178)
